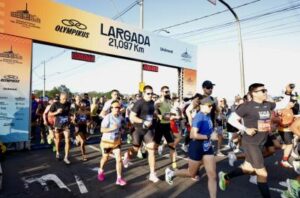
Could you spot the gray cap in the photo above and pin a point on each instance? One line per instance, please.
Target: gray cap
(207, 100)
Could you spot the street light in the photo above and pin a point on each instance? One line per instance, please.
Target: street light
(241, 53)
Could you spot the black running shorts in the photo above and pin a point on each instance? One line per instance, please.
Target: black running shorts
(140, 135)
(254, 156)
(163, 130)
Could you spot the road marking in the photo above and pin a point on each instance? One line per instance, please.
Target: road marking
(81, 185)
(42, 180)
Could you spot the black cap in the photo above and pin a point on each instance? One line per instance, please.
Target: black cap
(207, 100)
(207, 84)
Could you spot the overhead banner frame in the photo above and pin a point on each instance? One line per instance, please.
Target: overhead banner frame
(70, 27)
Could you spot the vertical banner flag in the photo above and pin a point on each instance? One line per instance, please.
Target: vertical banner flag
(15, 75)
(189, 82)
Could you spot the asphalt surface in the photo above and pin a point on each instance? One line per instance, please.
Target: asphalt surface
(31, 173)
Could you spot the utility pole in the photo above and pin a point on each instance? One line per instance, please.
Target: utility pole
(44, 79)
(142, 27)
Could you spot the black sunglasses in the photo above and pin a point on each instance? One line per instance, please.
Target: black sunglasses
(149, 94)
(262, 90)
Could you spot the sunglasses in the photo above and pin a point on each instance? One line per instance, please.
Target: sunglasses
(116, 107)
(166, 92)
(262, 90)
(149, 93)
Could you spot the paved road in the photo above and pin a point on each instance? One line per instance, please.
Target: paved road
(23, 172)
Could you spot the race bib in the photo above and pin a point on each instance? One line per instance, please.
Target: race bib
(82, 118)
(149, 118)
(264, 125)
(111, 137)
(63, 120)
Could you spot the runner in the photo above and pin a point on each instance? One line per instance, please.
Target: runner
(49, 122)
(81, 119)
(164, 106)
(95, 124)
(106, 109)
(111, 142)
(256, 115)
(189, 111)
(141, 116)
(61, 111)
(200, 150)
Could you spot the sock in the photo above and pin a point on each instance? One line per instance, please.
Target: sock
(264, 189)
(235, 173)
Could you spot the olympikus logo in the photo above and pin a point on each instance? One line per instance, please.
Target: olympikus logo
(10, 79)
(25, 15)
(73, 27)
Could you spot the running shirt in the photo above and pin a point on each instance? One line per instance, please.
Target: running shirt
(164, 109)
(94, 110)
(204, 123)
(143, 110)
(107, 105)
(256, 115)
(114, 136)
(62, 119)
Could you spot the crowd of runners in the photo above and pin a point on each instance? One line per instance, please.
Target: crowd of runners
(255, 126)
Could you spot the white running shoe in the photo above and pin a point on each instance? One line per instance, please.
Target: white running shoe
(160, 150)
(66, 160)
(237, 150)
(126, 160)
(184, 148)
(153, 178)
(231, 158)
(169, 174)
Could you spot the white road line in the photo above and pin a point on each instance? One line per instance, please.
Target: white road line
(81, 185)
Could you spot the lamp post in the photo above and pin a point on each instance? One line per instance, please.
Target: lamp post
(241, 52)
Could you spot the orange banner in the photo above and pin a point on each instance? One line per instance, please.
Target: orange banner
(189, 82)
(15, 69)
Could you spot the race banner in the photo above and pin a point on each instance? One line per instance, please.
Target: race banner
(15, 75)
(189, 82)
(55, 23)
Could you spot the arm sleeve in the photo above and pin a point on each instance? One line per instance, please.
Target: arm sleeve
(234, 120)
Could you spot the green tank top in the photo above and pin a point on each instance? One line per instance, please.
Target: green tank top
(165, 107)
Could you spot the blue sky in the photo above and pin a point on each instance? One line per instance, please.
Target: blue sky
(271, 46)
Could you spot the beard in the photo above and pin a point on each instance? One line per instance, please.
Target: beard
(168, 97)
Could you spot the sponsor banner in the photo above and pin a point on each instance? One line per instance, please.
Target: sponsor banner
(15, 66)
(59, 24)
(189, 82)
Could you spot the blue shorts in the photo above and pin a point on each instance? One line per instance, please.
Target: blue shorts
(199, 148)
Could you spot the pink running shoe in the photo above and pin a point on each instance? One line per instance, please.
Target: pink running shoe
(121, 182)
(101, 176)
